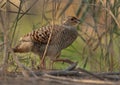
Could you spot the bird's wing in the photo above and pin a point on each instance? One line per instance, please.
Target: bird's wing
(42, 34)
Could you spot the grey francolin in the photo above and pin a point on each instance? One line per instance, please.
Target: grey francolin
(61, 36)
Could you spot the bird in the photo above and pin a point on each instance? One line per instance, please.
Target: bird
(59, 36)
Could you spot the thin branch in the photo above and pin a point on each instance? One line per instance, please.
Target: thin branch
(28, 9)
(21, 13)
(46, 48)
(15, 5)
(16, 22)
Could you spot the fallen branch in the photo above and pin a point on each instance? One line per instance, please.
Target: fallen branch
(110, 75)
(67, 72)
(92, 74)
(72, 67)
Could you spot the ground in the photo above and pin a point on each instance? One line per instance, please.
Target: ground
(60, 77)
(55, 81)
(68, 76)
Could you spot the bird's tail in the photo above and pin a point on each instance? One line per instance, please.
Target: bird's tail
(23, 47)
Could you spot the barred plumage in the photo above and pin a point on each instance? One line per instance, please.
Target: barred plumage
(62, 36)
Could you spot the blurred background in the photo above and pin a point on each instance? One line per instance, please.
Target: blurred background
(97, 47)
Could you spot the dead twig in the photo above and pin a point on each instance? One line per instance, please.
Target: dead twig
(72, 67)
(90, 73)
(110, 75)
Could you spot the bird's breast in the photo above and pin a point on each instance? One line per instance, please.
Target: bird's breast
(65, 38)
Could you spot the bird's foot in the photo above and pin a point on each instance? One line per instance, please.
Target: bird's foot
(64, 61)
(61, 60)
(42, 66)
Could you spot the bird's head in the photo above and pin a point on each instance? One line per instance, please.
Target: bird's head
(71, 20)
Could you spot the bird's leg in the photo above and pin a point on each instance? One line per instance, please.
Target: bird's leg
(42, 64)
(52, 60)
(64, 60)
(51, 64)
(57, 59)
(60, 60)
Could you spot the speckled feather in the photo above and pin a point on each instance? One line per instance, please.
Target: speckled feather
(62, 36)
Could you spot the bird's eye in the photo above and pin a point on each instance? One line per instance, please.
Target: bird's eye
(72, 19)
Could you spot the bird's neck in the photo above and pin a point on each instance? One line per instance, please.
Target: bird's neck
(67, 25)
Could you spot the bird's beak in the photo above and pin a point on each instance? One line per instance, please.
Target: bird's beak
(78, 21)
